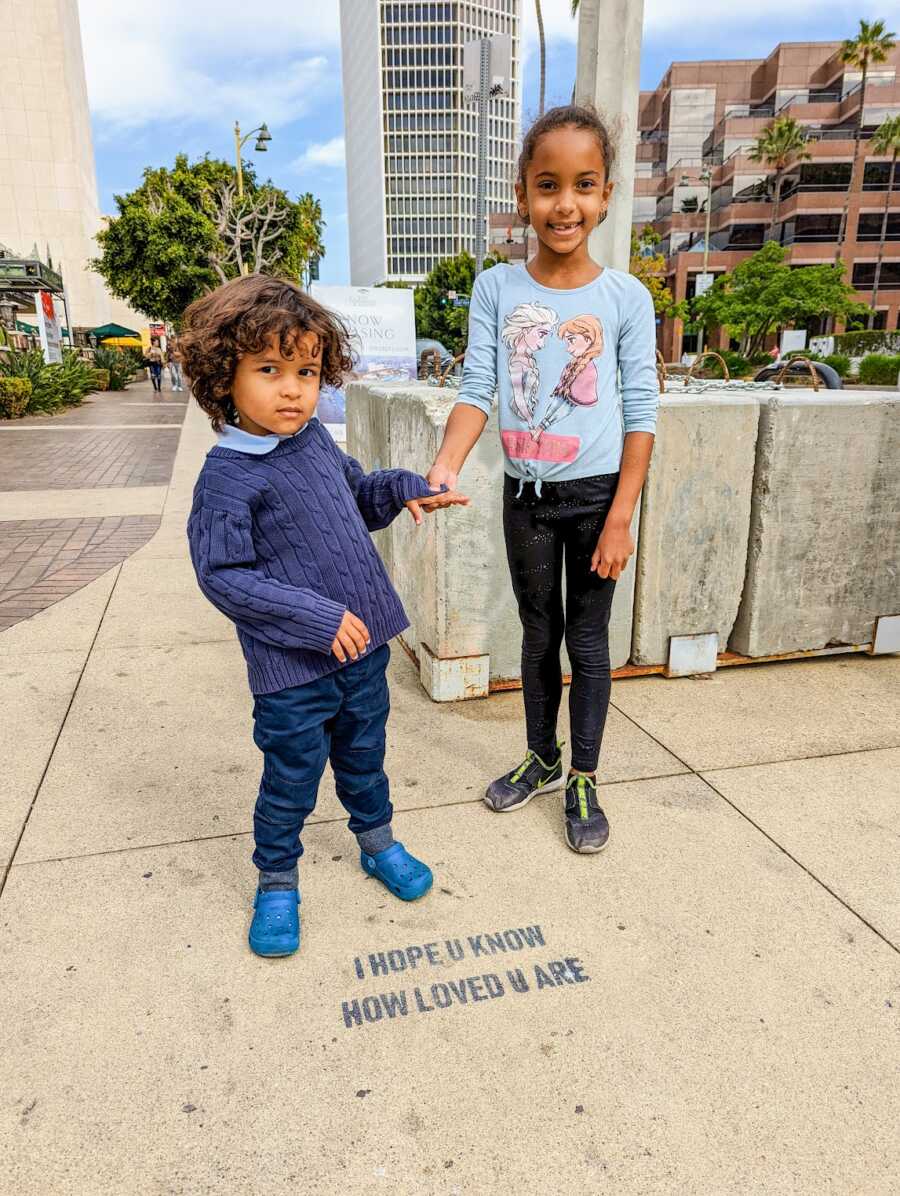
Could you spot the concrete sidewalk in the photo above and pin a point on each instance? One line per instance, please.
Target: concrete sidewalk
(709, 1007)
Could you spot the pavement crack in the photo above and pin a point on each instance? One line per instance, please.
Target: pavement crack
(87, 656)
(756, 826)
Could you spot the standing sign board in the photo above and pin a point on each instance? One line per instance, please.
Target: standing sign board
(702, 283)
(48, 327)
(793, 339)
(382, 325)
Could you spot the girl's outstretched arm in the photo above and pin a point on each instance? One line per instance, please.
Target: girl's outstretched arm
(479, 383)
(463, 428)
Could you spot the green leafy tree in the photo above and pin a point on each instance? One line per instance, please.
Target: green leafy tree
(763, 293)
(885, 141)
(778, 145)
(871, 45)
(649, 265)
(436, 317)
(183, 231)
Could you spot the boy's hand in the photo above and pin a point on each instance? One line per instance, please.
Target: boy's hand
(352, 638)
(613, 549)
(444, 498)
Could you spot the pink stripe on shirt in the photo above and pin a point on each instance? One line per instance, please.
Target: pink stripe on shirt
(523, 446)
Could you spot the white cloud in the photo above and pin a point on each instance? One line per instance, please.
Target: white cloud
(708, 19)
(327, 153)
(204, 61)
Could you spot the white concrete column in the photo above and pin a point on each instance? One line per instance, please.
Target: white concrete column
(608, 76)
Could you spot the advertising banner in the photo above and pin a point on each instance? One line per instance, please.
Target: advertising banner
(383, 336)
(48, 327)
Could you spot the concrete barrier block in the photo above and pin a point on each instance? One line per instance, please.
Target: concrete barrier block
(695, 518)
(454, 680)
(824, 535)
(451, 573)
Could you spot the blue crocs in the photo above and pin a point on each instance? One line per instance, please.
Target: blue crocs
(275, 929)
(405, 876)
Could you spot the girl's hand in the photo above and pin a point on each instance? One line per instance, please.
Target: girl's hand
(439, 475)
(444, 498)
(352, 638)
(613, 549)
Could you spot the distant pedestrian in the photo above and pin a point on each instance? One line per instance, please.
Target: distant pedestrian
(279, 538)
(569, 347)
(155, 360)
(173, 360)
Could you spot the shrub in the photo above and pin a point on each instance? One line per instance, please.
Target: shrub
(53, 386)
(859, 343)
(101, 379)
(737, 365)
(879, 369)
(120, 366)
(75, 378)
(839, 362)
(14, 396)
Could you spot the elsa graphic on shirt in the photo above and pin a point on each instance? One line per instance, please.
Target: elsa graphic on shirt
(577, 386)
(524, 332)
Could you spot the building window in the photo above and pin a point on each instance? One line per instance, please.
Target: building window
(869, 226)
(864, 276)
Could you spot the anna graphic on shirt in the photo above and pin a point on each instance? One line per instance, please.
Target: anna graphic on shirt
(524, 331)
(577, 386)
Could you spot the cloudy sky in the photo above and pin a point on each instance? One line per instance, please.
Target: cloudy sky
(169, 77)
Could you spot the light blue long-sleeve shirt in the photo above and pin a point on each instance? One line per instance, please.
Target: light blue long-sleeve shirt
(574, 370)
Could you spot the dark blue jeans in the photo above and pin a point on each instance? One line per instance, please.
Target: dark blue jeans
(340, 718)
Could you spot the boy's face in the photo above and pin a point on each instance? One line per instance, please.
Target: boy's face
(273, 393)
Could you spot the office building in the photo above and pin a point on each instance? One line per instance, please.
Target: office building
(411, 137)
(705, 117)
(48, 187)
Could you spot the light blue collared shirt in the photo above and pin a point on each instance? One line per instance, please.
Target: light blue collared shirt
(246, 442)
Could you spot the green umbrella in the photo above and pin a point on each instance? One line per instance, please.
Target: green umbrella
(107, 330)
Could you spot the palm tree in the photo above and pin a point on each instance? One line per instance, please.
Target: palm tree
(543, 50)
(885, 141)
(780, 143)
(871, 45)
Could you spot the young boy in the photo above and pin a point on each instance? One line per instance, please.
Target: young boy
(279, 538)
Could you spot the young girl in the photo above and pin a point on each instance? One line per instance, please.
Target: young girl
(568, 498)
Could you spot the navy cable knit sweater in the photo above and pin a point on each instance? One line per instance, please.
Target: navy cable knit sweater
(280, 544)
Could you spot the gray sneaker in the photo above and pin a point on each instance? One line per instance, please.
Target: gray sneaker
(587, 830)
(517, 788)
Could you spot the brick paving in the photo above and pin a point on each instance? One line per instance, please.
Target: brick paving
(43, 560)
(117, 410)
(84, 458)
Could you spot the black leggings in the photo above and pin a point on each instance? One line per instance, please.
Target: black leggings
(564, 524)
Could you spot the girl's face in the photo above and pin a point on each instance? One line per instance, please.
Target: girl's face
(576, 343)
(566, 192)
(534, 338)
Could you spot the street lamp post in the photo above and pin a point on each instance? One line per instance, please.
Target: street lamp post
(705, 177)
(239, 142)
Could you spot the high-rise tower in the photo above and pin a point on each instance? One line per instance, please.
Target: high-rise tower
(411, 138)
(48, 186)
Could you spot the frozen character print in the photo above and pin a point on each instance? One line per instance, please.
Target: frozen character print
(577, 386)
(525, 330)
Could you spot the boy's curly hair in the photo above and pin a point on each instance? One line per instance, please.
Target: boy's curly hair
(238, 318)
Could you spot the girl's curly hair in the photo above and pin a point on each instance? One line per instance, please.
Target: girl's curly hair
(239, 318)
